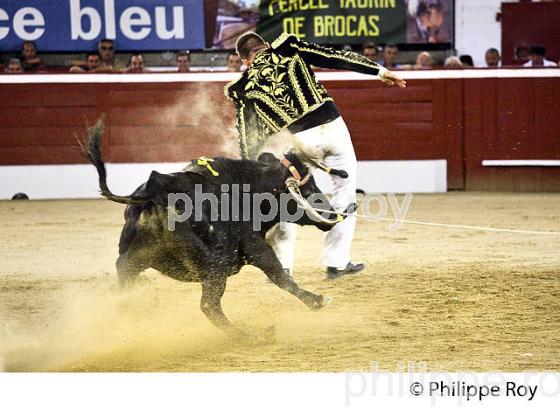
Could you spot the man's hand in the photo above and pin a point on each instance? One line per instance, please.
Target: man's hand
(390, 78)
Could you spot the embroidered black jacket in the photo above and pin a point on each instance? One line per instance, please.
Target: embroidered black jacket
(279, 88)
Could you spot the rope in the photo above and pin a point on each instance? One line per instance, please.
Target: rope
(440, 225)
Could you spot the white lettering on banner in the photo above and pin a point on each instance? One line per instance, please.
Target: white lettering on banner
(178, 30)
(21, 21)
(4, 30)
(76, 15)
(110, 21)
(88, 23)
(128, 20)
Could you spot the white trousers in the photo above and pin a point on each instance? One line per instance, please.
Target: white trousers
(331, 144)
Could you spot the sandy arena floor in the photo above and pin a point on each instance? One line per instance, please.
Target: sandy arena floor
(446, 299)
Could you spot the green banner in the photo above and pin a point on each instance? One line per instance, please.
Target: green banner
(335, 21)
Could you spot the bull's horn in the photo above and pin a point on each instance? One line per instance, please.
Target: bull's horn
(305, 205)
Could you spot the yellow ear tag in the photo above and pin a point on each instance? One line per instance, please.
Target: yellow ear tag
(205, 162)
(339, 218)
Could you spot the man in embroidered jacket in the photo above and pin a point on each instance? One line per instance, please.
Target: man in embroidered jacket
(279, 91)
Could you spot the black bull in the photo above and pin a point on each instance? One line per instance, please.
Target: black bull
(203, 249)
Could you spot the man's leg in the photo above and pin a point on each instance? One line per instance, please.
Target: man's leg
(340, 155)
(282, 238)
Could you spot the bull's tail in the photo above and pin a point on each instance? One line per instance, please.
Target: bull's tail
(93, 154)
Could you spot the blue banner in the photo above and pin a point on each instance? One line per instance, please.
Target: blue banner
(77, 25)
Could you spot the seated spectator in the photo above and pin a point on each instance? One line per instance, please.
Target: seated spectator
(108, 62)
(452, 62)
(467, 61)
(390, 55)
(91, 65)
(537, 58)
(233, 62)
(136, 64)
(492, 58)
(14, 66)
(369, 50)
(424, 61)
(183, 61)
(29, 58)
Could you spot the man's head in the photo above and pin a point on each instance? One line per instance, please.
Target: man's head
(106, 50)
(492, 58)
(92, 61)
(233, 62)
(248, 45)
(183, 61)
(452, 62)
(136, 63)
(369, 50)
(424, 61)
(29, 50)
(536, 55)
(390, 54)
(14, 66)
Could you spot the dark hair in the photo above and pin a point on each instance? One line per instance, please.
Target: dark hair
(493, 50)
(369, 45)
(29, 42)
(92, 53)
(249, 43)
(105, 40)
(391, 45)
(183, 53)
(537, 51)
(467, 60)
(425, 5)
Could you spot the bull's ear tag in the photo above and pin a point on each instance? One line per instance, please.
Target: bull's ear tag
(205, 162)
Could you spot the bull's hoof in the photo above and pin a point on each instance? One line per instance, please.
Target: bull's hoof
(319, 303)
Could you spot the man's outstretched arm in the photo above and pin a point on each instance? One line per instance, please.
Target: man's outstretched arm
(327, 57)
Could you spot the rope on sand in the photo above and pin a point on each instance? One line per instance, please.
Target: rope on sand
(440, 225)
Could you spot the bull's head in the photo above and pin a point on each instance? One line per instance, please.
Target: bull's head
(299, 182)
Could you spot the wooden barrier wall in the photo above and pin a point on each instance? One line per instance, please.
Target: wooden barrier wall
(461, 120)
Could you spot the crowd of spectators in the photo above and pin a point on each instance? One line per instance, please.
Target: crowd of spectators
(389, 55)
(104, 60)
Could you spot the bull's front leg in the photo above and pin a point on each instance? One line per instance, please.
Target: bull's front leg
(210, 304)
(260, 254)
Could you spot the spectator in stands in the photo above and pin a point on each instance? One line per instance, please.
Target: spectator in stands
(234, 62)
(537, 58)
(91, 65)
(30, 60)
(108, 62)
(390, 55)
(136, 64)
(467, 61)
(183, 61)
(452, 62)
(424, 61)
(14, 66)
(492, 58)
(369, 50)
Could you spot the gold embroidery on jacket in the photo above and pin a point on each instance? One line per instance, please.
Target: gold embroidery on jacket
(342, 55)
(271, 125)
(295, 85)
(241, 130)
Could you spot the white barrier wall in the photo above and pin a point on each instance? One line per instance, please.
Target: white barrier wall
(80, 181)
